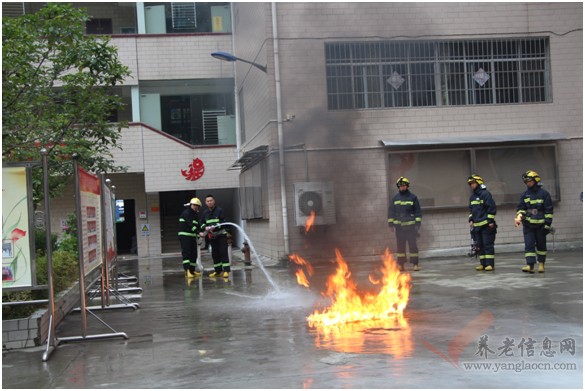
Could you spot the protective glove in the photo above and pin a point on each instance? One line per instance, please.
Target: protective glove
(518, 219)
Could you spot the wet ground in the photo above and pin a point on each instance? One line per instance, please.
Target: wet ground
(461, 329)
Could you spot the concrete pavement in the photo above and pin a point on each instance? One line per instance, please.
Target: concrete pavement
(461, 329)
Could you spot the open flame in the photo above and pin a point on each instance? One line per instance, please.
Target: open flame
(310, 222)
(300, 274)
(359, 320)
(351, 305)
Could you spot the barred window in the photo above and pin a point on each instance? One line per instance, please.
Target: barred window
(365, 75)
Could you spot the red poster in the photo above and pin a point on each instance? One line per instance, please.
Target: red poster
(90, 227)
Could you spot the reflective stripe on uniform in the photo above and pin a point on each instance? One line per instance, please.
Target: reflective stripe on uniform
(187, 234)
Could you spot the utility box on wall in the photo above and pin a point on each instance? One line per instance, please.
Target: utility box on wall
(316, 197)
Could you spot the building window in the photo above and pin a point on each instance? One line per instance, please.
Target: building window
(254, 192)
(439, 177)
(368, 75)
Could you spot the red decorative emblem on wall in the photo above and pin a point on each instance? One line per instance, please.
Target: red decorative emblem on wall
(195, 170)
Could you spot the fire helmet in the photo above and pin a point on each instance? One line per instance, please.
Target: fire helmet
(475, 178)
(531, 176)
(195, 201)
(402, 181)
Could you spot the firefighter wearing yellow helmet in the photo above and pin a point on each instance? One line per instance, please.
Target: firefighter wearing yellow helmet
(188, 234)
(482, 223)
(404, 218)
(535, 213)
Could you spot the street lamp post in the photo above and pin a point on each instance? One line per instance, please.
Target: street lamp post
(224, 56)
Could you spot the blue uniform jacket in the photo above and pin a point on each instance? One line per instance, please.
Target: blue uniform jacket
(404, 210)
(536, 206)
(482, 207)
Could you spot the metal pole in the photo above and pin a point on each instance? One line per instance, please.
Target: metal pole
(80, 245)
(280, 132)
(51, 292)
(115, 268)
(104, 280)
(108, 185)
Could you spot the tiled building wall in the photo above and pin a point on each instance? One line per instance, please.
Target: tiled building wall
(165, 159)
(345, 145)
(170, 57)
(252, 41)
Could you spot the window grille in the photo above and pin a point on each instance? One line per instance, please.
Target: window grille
(210, 130)
(364, 75)
(184, 16)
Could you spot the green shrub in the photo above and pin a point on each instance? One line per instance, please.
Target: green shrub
(41, 241)
(68, 241)
(65, 270)
(65, 273)
(18, 311)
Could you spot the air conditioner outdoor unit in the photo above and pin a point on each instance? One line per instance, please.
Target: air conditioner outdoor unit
(315, 197)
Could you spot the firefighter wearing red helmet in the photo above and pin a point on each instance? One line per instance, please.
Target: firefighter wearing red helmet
(404, 218)
(535, 213)
(188, 233)
(482, 215)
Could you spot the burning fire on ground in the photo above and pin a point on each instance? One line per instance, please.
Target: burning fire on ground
(356, 316)
(348, 303)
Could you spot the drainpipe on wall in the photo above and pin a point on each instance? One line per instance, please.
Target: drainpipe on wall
(240, 222)
(236, 92)
(280, 133)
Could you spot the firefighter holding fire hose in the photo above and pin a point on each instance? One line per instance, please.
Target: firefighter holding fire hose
(404, 218)
(211, 220)
(482, 214)
(188, 232)
(535, 213)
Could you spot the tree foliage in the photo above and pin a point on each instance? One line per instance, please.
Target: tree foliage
(57, 93)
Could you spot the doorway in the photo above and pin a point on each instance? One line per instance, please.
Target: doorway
(172, 204)
(126, 227)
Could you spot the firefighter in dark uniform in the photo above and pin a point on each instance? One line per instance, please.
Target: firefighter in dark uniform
(404, 217)
(482, 215)
(535, 213)
(188, 234)
(210, 218)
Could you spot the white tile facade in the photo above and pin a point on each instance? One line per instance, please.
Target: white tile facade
(344, 145)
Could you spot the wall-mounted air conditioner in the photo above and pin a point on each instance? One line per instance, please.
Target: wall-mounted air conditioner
(315, 197)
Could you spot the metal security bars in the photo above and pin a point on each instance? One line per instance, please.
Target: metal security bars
(364, 75)
(184, 16)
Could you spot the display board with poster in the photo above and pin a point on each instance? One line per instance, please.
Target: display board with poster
(17, 233)
(90, 229)
(109, 215)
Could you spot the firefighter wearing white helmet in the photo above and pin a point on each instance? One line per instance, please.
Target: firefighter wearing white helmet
(535, 213)
(188, 234)
(482, 215)
(404, 218)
